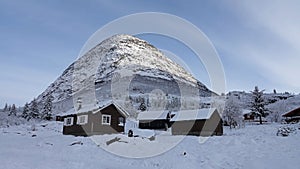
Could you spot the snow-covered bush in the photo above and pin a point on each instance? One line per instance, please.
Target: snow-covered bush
(286, 131)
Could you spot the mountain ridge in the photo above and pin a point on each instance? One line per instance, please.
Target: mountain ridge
(111, 57)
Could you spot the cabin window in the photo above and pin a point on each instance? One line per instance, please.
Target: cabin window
(106, 119)
(68, 121)
(121, 121)
(83, 119)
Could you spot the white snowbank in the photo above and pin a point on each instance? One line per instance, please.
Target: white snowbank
(255, 146)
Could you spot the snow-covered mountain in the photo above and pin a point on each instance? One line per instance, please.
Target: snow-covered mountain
(122, 63)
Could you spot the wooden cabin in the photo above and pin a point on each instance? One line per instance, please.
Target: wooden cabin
(59, 118)
(106, 120)
(292, 116)
(248, 115)
(154, 119)
(201, 122)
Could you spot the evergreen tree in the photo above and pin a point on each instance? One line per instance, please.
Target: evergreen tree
(13, 110)
(34, 110)
(258, 104)
(47, 109)
(142, 106)
(9, 108)
(5, 107)
(25, 113)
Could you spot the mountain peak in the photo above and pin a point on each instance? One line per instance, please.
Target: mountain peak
(150, 69)
(128, 52)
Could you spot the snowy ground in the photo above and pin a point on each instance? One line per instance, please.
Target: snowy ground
(255, 146)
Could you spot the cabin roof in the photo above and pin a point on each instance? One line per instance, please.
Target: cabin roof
(118, 107)
(153, 115)
(293, 113)
(69, 112)
(198, 114)
(94, 109)
(246, 111)
(84, 109)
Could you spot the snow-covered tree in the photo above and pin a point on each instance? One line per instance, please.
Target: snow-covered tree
(46, 113)
(232, 113)
(34, 110)
(258, 104)
(276, 110)
(26, 110)
(13, 110)
(9, 108)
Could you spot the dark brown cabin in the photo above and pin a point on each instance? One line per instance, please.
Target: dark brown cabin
(248, 115)
(202, 122)
(59, 118)
(292, 116)
(106, 120)
(154, 120)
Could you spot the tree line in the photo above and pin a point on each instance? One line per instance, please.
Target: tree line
(33, 110)
(233, 113)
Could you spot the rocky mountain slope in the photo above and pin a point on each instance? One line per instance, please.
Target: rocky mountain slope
(122, 67)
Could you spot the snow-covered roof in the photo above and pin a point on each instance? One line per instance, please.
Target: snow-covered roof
(153, 115)
(69, 112)
(197, 114)
(85, 108)
(246, 111)
(293, 113)
(94, 109)
(120, 108)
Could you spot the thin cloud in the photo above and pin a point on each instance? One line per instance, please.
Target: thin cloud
(271, 44)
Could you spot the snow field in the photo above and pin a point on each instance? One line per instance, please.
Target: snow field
(255, 146)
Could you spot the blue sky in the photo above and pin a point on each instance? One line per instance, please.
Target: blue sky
(257, 41)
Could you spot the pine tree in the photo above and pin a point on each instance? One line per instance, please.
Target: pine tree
(13, 110)
(5, 107)
(142, 107)
(34, 110)
(25, 113)
(47, 109)
(258, 104)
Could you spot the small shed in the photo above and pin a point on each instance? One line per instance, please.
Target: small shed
(248, 115)
(200, 122)
(106, 120)
(292, 116)
(154, 119)
(59, 118)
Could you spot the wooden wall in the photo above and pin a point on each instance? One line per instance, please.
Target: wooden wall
(94, 125)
